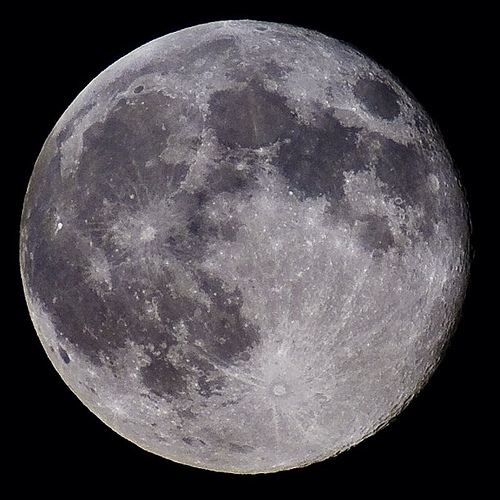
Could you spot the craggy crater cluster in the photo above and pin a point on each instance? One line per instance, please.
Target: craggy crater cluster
(244, 246)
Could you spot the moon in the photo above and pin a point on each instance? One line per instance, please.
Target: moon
(244, 247)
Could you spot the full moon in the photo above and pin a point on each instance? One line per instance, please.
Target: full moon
(244, 246)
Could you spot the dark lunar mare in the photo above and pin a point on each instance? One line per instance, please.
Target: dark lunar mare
(115, 162)
(314, 157)
(378, 97)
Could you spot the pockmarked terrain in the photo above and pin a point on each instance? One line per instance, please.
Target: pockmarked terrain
(244, 246)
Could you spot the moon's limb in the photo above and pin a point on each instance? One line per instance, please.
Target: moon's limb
(244, 246)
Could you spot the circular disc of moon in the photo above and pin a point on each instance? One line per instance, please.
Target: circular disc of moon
(244, 246)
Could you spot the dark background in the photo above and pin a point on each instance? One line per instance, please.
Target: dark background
(441, 442)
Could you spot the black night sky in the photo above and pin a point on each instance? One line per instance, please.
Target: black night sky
(439, 444)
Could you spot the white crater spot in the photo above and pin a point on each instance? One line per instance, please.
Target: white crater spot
(279, 390)
(148, 234)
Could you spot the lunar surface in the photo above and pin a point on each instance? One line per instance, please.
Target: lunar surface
(244, 246)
